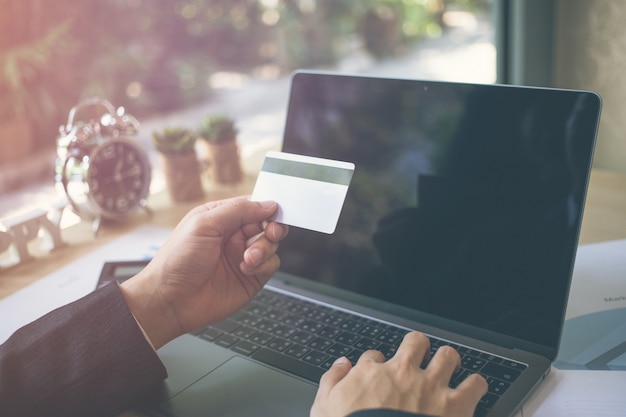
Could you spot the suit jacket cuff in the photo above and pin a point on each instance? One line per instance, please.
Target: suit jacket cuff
(385, 412)
(86, 358)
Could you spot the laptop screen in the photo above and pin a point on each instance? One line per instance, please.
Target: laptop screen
(466, 200)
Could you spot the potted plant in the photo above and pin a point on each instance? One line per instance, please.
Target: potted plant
(219, 134)
(180, 163)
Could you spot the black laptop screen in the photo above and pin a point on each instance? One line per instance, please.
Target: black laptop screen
(466, 200)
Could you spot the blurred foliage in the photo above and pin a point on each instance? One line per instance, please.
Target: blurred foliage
(174, 141)
(157, 55)
(217, 128)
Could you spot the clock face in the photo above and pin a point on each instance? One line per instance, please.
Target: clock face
(118, 177)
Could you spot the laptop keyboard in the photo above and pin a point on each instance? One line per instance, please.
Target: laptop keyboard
(305, 339)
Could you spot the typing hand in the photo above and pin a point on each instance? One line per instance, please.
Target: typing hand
(400, 383)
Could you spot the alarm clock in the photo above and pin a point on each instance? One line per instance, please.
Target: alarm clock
(100, 167)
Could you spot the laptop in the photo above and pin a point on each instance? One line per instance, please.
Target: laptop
(461, 221)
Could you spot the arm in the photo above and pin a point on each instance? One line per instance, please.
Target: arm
(91, 358)
(86, 356)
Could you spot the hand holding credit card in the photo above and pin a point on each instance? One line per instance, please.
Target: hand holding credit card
(309, 191)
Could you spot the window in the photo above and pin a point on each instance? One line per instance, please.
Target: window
(173, 63)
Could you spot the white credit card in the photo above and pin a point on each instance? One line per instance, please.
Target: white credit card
(309, 191)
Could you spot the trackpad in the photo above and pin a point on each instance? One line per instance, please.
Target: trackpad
(241, 388)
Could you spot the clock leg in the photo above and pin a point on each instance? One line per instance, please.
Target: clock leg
(144, 205)
(95, 226)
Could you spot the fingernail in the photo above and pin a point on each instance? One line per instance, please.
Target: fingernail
(267, 204)
(253, 256)
(340, 361)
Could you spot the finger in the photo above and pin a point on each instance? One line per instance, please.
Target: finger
(444, 363)
(259, 250)
(336, 373)
(272, 230)
(236, 213)
(251, 232)
(265, 269)
(473, 388)
(276, 231)
(371, 356)
(413, 350)
(210, 205)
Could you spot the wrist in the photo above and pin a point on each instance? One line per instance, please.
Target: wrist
(154, 316)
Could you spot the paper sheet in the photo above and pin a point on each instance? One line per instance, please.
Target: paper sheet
(579, 394)
(594, 338)
(594, 334)
(75, 279)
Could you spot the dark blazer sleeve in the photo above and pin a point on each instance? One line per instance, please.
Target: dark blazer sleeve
(88, 358)
(385, 413)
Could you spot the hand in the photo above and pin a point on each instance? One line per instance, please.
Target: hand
(218, 257)
(400, 383)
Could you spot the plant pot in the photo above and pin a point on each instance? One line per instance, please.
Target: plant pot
(223, 162)
(182, 177)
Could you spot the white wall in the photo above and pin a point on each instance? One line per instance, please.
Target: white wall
(590, 53)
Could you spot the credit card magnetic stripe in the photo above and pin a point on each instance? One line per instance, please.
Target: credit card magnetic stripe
(316, 172)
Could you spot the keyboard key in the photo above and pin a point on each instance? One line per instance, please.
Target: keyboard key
(226, 340)
(210, 334)
(464, 350)
(514, 365)
(297, 351)
(329, 362)
(302, 337)
(256, 309)
(279, 344)
(261, 338)
(249, 320)
(354, 355)
(293, 320)
(387, 350)
(311, 326)
(351, 325)
(489, 400)
(472, 364)
(347, 338)
(275, 314)
(334, 319)
(227, 326)
(366, 344)
(490, 358)
(370, 331)
(389, 337)
(314, 357)
(481, 411)
(329, 332)
(497, 387)
(459, 377)
(266, 325)
(244, 332)
(338, 350)
(320, 344)
(503, 373)
(245, 348)
(283, 331)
